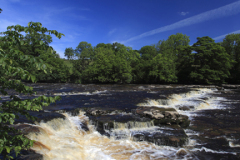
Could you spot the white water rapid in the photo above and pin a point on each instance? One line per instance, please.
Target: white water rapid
(65, 139)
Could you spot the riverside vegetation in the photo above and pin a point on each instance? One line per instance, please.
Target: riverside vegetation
(30, 58)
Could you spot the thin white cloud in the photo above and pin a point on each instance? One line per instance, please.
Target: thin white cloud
(183, 13)
(52, 12)
(227, 10)
(223, 36)
(112, 31)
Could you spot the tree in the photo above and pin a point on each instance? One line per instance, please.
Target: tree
(81, 46)
(31, 45)
(143, 68)
(174, 48)
(161, 70)
(213, 60)
(107, 63)
(231, 43)
(57, 69)
(184, 64)
(11, 71)
(148, 52)
(84, 54)
(69, 53)
(101, 70)
(103, 45)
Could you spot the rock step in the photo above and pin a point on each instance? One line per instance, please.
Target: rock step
(165, 116)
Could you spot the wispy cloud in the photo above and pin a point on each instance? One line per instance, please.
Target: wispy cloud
(112, 31)
(223, 36)
(183, 13)
(227, 10)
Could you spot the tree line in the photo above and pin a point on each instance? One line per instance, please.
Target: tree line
(169, 61)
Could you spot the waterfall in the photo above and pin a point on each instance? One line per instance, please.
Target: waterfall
(65, 139)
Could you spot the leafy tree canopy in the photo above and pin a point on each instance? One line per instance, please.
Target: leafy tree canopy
(231, 43)
(69, 53)
(12, 61)
(81, 46)
(213, 60)
(148, 52)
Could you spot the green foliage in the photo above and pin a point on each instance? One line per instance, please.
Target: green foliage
(106, 63)
(101, 69)
(213, 60)
(69, 65)
(36, 43)
(172, 48)
(148, 52)
(57, 69)
(144, 66)
(12, 64)
(69, 53)
(231, 43)
(184, 64)
(81, 46)
(169, 61)
(155, 67)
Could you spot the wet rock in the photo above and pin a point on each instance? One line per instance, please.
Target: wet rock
(84, 126)
(205, 98)
(26, 155)
(26, 128)
(168, 136)
(163, 115)
(181, 152)
(229, 86)
(184, 108)
(97, 111)
(171, 114)
(39, 116)
(29, 155)
(153, 114)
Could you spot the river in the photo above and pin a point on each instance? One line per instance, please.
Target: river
(107, 122)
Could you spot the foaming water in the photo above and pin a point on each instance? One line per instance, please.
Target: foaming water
(65, 139)
(233, 145)
(212, 151)
(213, 130)
(133, 125)
(194, 100)
(129, 129)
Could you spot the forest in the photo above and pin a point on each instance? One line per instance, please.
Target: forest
(168, 61)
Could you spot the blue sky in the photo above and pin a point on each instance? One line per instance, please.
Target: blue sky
(134, 23)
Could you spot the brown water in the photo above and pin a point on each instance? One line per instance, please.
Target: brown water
(213, 133)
